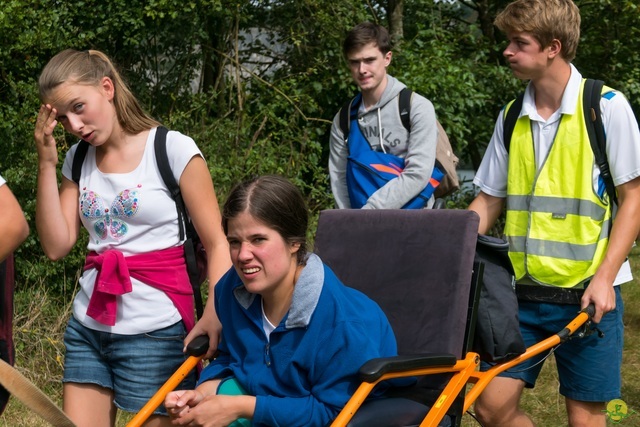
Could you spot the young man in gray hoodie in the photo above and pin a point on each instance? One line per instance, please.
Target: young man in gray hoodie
(367, 49)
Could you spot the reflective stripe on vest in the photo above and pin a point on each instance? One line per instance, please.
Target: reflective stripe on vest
(556, 224)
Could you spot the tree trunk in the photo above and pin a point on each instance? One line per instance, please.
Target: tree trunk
(395, 12)
(213, 64)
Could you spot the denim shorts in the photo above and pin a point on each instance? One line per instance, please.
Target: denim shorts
(134, 367)
(589, 368)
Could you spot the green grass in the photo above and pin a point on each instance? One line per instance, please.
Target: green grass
(40, 320)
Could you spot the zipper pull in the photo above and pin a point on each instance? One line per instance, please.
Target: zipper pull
(267, 357)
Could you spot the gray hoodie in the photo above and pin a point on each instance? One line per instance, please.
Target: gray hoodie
(382, 123)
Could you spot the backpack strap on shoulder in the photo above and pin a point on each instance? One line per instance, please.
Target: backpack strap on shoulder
(344, 119)
(593, 120)
(162, 160)
(404, 107)
(350, 107)
(78, 160)
(185, 226)
(510, 118)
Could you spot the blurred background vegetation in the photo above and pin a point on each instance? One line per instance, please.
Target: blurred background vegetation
(256, 83)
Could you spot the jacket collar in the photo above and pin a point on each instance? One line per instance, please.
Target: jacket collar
(305, 295)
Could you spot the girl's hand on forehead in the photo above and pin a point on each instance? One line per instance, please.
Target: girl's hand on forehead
(43, 135)
(46, 121)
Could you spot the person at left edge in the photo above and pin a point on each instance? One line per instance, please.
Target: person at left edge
(14, 228)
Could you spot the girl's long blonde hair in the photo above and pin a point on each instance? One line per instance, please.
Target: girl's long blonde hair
(88, 68)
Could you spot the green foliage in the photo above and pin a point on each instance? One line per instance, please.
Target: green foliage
(257, 83)
(605, 52)
(453, 64)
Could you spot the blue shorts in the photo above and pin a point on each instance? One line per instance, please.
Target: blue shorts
(133, 366)
(589, 368)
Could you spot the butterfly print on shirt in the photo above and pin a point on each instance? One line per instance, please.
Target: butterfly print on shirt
(110, 221)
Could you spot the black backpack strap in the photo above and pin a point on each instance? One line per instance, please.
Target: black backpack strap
(162, 159)
(349, 109)
(404, 107)
(78, 160)
(344, 119)
(593, 120)
(186, 227)
(510, 120)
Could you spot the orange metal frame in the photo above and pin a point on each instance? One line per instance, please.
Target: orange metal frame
(158, 398)
(464, 372)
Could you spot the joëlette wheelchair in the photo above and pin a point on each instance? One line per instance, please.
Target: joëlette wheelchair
(418, 265)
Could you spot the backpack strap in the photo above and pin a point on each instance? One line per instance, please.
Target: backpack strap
(510, 119)
(185, 226)
(593, 120)
(162, 160)
(404, 107)
(78, 160)
(349, 109)
(344, 119)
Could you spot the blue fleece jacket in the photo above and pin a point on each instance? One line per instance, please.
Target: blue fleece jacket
(307, 370)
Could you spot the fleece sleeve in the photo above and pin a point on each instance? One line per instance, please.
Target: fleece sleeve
(334, 377)
(338, 153)
(419, 161)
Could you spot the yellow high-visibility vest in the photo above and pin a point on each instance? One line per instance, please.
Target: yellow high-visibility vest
(556, 225)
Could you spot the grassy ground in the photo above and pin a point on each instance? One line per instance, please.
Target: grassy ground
(40, 320)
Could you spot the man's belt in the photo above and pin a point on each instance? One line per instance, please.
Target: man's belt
(549, 294)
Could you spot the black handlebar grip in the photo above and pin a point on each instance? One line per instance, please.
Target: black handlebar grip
(590, 310)
(198, 346)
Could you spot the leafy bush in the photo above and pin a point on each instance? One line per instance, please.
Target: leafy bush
(256, 84)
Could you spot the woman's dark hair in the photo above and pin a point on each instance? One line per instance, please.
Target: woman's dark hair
(274, 201)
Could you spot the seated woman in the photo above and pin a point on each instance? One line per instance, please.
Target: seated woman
(293, 335)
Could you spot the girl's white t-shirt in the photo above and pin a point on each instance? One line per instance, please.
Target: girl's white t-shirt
(133, 213)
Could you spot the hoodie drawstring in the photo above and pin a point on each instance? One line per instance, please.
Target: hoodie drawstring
(380, 132)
